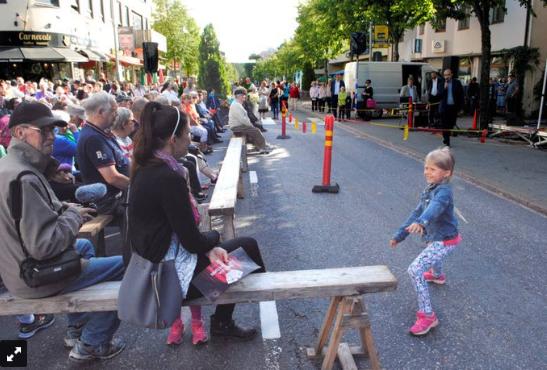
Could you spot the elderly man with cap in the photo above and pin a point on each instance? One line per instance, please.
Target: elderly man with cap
(47, 228)
(239, 122)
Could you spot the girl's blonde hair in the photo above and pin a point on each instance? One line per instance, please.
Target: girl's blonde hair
(442, 158)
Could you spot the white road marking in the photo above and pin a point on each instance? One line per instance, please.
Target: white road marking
(112, 235)
(253, 179)
(269, 321)
(460, 215)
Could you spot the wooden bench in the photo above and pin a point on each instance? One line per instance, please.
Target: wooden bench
(344, 286)
(244, 161)
(228, 188)
(94, 231)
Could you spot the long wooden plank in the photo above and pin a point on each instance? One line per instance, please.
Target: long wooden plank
(94, 226)
(254, 288)
(225, 194)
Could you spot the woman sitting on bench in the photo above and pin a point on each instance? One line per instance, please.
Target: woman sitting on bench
(162, 215)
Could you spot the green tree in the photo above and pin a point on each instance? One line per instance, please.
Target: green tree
(308, 75)
(171, 19)
(212, 66)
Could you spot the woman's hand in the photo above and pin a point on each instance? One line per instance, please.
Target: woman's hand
(415, 228)
(218, 255)
(393, 243)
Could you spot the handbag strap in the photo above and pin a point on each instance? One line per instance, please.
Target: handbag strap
(16, 203)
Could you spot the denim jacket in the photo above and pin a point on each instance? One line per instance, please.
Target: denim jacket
(435, 212)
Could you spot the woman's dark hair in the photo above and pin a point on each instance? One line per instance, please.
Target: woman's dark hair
(165, 86)
(156, 127)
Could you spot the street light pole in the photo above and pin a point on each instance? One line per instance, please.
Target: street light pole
(116, 47)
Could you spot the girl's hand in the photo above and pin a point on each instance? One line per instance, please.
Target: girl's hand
(218, 255)
(415, 228)
(393, 243)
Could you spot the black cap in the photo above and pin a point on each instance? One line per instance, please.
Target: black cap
(35, 114)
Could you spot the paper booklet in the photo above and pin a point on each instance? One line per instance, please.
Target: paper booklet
(215, 279)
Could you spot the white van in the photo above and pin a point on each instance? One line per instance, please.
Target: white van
(387, 79)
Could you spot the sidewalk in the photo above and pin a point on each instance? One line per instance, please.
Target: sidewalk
(509, 168)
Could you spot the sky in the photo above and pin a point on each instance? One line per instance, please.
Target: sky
(245, 27)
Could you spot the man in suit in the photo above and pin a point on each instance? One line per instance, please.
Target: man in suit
(410, 90)
(435, 88)
(335, 89)
(451, 103)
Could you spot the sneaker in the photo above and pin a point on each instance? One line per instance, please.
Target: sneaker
(430, 277)
(73, 334)
(424, 323)
(199, 335)
(27, 331)
(175, 333)
(84, 352)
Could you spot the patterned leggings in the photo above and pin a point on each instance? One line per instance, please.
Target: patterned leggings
(431, 257)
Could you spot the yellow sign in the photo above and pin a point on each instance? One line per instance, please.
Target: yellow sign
(381, 36)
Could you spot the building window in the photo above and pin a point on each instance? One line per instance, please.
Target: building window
(418, 46)
(137, 21)
(146, 24)
(48, 2)
(120, 17)
(497, 14)
(90, 9)
(440, 25)
(421, 29)
(127, 18)
(102, 10)
(463, 24)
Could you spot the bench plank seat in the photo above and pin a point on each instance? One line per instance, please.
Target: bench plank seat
(94, 231)
(268, 286)
(224, 197)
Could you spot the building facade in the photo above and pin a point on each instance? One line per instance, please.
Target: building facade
(73, 38)
(457, 44)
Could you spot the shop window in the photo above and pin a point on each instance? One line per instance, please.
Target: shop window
(440, 25)
(497, 14)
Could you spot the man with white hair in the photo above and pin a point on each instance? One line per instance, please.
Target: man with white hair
(99, 156)
(240, 123)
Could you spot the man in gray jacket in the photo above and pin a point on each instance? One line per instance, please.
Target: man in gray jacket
(239, 122)
(47, 228)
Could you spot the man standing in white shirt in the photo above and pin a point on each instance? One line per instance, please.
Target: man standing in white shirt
(335, 89)
(435, 88)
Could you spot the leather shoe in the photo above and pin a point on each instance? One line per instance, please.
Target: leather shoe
(230, 329)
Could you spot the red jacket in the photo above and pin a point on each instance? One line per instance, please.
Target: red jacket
(294, 92)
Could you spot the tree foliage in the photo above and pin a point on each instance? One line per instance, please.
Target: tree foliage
(172, 20)
(212, 65)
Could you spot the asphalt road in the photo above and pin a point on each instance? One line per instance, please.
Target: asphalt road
(491, 311)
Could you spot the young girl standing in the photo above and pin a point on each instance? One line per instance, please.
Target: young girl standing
(434, 220)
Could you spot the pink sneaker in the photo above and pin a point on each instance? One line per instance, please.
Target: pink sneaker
(424, 323)
(429, 277)
(199, 335)
(175, 333)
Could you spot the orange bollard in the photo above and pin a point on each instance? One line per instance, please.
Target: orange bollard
(290, 117)
(326, 186)
(283, 126)
(484, 134)
(410, 112)
(475, 116)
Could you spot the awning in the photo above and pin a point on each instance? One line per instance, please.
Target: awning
(93, 56)
(42, 54)
(10, 55)
(70, 55)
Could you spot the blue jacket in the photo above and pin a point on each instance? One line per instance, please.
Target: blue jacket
(435, 212)
(64, 149)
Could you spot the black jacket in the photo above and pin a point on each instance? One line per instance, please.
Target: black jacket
(457, 93)
(158, 207)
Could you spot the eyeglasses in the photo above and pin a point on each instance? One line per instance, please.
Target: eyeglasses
(44, 131)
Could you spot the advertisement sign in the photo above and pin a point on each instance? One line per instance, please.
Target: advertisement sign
(380, 37)
(126, 40)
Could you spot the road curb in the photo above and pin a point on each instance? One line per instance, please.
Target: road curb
(491, 188)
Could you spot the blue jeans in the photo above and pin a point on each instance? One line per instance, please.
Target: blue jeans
(275, 109)
(98, 327)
